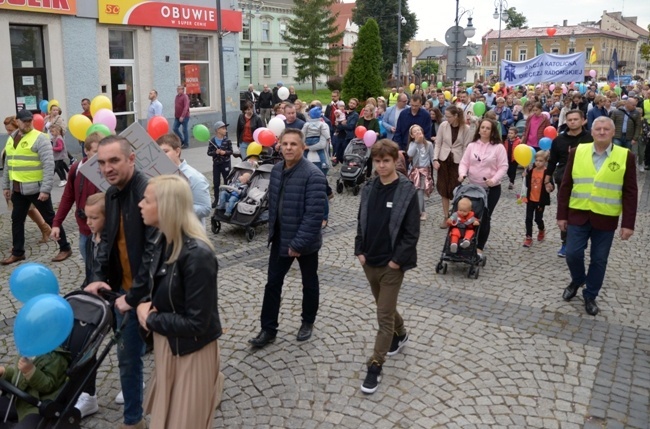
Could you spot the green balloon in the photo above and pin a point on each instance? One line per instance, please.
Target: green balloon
(425, 85)
(201, 133)
(617, 90)
(99, 128)
(524, 100)
(479, 108)
(439, 85)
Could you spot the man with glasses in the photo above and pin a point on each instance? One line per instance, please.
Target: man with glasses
(182, 115)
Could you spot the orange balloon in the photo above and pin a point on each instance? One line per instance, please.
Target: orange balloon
(551, 31)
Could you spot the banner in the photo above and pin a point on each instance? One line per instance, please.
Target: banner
(192, 75)
(162, 14)
(544, 68)
(60, 7)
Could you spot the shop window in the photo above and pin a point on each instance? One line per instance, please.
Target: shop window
(195, 68)
(267, 67)
(29, 73)
(247, 67)
(285, 66)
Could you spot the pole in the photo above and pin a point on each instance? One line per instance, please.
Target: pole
(250, 40)
(456, 49)
(499, 44)
(399, 42)
(222, 85)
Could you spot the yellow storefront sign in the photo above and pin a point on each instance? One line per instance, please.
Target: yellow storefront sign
(62, 7)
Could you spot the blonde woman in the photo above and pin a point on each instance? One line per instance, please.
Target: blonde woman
(182, 315)
(420, 151)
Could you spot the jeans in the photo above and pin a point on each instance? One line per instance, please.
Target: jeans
(278, 268)
(19, 213)
(130, 349)
(494, 193)
(601, 243)
(535, 210)
(385, 284)
(185, 137)
(243, 148)
(227, 201)
(83, 239)
(623, 142)
(557, 177)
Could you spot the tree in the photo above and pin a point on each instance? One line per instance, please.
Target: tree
(645, 51)
(384, 12)
(515, 19)
(312, 36)
(363, 78)
(426, 69)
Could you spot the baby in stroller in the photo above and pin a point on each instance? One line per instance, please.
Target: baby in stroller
(462, 223)
(231, 194)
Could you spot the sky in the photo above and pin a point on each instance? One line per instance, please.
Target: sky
(436, 16)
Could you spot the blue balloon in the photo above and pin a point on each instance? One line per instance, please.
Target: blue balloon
(42, 325)
(532, 160)
(545, 143)
(32, 279)
(43, 105)
(470, 90)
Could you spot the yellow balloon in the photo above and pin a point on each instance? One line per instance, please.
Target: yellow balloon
(496, 87)
(78, 126)
(100, 102)
(447, 95)
(605, 87)
(254, 149)
(51, 104)
(523, 155)
(412, 87)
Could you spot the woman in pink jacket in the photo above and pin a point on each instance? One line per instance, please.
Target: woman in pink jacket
(484, 163)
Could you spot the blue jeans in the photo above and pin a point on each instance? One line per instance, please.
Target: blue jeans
(243, 147)
(576, 243)
(185, 137)
(83, 239)
(130, 349)
(227, 201)
(623, 142)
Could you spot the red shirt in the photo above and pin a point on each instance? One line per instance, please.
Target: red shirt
(75, 192)
(247, 136)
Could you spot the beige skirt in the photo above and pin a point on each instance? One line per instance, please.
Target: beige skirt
(185, 390)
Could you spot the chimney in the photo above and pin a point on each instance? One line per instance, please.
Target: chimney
(564, 23)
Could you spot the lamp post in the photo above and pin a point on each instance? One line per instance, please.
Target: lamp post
(572, 42)
(400, 21)
(502, 15)
(456, 36)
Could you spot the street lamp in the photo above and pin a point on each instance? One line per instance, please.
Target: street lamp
(456, 36)
(500, 13)
(400, 21)
(572, 41)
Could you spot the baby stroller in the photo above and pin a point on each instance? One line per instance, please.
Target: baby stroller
(353, 167)
(93, 320)
(469, 255)
(253, 208)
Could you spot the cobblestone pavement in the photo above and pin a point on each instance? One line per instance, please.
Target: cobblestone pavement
(500, 351)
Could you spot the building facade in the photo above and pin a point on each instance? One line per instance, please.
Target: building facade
(350, 30)
(627, 25)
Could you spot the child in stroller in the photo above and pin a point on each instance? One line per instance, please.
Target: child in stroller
(230, 195)
(462, 223)
(353, 170)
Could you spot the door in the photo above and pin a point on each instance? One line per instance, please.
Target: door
(123, 96)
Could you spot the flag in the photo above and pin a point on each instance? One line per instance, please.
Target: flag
(592, 57)
(613, 67)
(539, 50)
(485, 46)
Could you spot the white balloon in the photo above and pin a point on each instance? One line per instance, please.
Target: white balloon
(283, 93)
(276, 125)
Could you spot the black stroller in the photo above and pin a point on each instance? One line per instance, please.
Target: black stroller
(93, 320)
(353, 167)
(468, 255)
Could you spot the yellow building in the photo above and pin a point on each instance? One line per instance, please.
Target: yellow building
(520, 45)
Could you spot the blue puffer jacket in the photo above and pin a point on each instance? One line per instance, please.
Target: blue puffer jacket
(297, 201)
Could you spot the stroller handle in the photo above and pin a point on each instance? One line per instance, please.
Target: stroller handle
(5, 386)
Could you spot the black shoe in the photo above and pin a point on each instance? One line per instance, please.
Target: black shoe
(262, 339)
(373, 378)
(304, 333)
(398, 342)
(591, 307)
(214, 204)
(571, 291)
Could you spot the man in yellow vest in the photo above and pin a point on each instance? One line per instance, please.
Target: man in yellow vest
(27, 179)
(599, 185)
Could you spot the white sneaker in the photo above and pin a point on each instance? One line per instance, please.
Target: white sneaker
(62, 183)
(87, 405)
(119, 399)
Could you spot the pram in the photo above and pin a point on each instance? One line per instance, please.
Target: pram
(93, 320)
(353, 167)
(253, 208)
(469, 255)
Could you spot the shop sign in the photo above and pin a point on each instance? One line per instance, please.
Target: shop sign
(162, 14)
(62, 7)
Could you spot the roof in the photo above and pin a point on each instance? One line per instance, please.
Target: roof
(433, 52)
(562, 31)
(345, 11)
(629, 24)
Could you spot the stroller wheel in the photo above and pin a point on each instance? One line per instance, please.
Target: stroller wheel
(438, 267)
(470, 272)
(444, 268)
(250, 234)
(476, 271)
(355, 190)
(339, 187)
(215, 226)
(483, 261)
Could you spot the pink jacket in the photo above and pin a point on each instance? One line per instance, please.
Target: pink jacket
(483, 161)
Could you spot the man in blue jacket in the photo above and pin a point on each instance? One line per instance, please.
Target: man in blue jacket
(416, 115)
(296, 209)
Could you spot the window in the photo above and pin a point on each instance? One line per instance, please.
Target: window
(266, 31)
(285, 66)
(588, 54)
(493, 56)
(523, 54)
(573, 50)
(555, 50)
(120, 45)
(508, 55)
(283, 29)
(247, 67)
(267, 67)
(30, 76)
(246, 31)
(195, 68)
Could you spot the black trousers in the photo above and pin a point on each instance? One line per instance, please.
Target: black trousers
(19, 213)
(219, 170)
(278, 268)
(557, 178)
(536, 211)
(512, 171)
(61, 169)
(494, 193)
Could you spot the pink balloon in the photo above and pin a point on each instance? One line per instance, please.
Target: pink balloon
(106, 117)
(592, 73)
(548, 115)
(257, 132)
(552, 87)
(369, 138)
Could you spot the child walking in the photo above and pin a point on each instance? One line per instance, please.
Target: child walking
(537, 197)
(511, 142)
(60, 154)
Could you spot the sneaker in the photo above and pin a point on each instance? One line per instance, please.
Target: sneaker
(398, 342)
(373, 378)
(453, 247)
(511, 186)
(87, 404)
(540, 235)
(528, 241)
(562, 252)
(62, 183)
(465, 243)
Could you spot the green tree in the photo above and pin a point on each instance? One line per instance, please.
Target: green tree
(363, 78)
(385, 13)
(645, 50)
(426, 68)
(515, 19)
(312, 36)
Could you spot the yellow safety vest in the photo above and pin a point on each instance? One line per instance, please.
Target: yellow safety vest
(598, 191)
(646, 110)
(392, 99)
(23, 164)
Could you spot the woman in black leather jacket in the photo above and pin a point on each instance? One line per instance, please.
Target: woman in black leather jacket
(182, 314)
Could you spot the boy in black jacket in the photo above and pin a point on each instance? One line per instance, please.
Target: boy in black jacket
(387, 235)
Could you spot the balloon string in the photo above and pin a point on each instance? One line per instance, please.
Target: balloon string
(12, 397)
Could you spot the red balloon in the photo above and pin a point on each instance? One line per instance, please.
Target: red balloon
(157, 127)
(360, 131)
(266, 138)
(551, 31)
(38, 122)
(550, 132)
